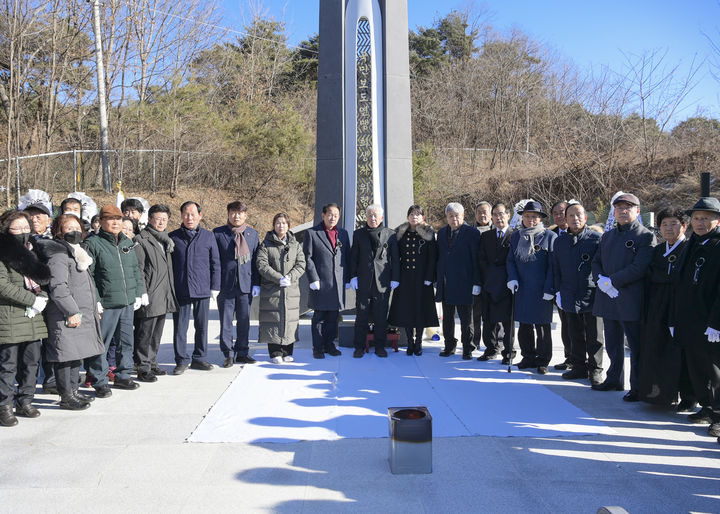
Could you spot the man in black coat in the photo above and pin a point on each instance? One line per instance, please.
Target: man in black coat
(572, 261)
(619, 268)
(375, 271)
(560, 228)
(326, 248)
(458, 278)
(484, 331)
(697, 310)
(497, 299)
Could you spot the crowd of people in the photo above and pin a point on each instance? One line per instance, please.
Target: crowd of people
(95, 293)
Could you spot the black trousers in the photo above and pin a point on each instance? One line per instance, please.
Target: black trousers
(565, 333)
(615, 334)
(685, 387)
(67, 375)
(507, 334)
(414, 335)
(537, 351)
(376, 303)
(19, 362)
(48, 368)
(324, 326)
(148, 332)
(586, 341)
(703, 360)
(279, 350)
(482, 329)
(466, 327)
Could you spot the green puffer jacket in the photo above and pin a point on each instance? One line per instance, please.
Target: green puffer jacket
(279, 306)
(16, 261)
(115, 269)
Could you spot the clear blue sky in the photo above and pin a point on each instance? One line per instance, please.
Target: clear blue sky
(591, 33)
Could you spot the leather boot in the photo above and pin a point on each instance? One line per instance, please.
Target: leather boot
(418, 346)
(7, 418)
(70, 402)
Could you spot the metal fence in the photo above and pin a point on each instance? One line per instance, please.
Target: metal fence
(147, 169)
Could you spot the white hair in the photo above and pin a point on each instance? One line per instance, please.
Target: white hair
(454, 207)
(374, 207)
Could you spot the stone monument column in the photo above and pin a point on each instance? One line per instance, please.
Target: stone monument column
(364, 152)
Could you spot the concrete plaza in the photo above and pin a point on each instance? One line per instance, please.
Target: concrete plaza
(129, 453)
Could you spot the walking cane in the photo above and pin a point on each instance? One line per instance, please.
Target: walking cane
(512, 331)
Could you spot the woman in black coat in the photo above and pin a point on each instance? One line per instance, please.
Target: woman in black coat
(413, 303)
(661, 360)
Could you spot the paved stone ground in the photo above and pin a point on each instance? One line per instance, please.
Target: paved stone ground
(129, 453)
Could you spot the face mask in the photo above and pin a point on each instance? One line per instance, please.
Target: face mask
(22, 238)
(73, 237)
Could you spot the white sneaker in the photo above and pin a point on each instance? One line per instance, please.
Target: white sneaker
(288, 358)
(277, 360)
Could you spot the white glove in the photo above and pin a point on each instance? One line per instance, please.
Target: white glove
(285, 282)
(394, 284)
(427, 283)
(476, 290)
(547, 297)
(672, 331)
(255, 291)
(604, 283)
(315, 286)
(354, 283)
(39, 304)
(31, 312)
(513, 286)
(100, 308)
(713, 335)
(137, 304)
(145, 299)
(557, 298)
(214, 294)
(612, 292)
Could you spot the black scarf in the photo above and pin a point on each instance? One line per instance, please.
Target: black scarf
(374, 234)
(163, 238)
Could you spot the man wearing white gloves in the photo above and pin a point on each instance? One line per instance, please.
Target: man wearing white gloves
(196, 268)
(375, 272)
(240, 283)
(530, 279)
(326, 247)
(572, 267)
(619, 268)
(696, 317)
(458, 278)
(120, 291)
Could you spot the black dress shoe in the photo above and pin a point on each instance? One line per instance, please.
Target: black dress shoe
(631, 396)
(608, 386)
(227, 362)
(27, 410)
(201, 365)
(487, 356)
(410, 349)
(180, 369)
(563, 366)
(525, 364)
(7, 418)
(686, 405)
(318, 355)
(418, 349)
(333, 351)
(50, 390)
(701, 417)
(146, 376)
(380, 351)
(467, 356)
(103, 391)
(71, 403)
(125, 383)
(358, 353)
(158, 371)
(245, 359)
(714, 429)
(574, 374)
(82, 396)
(447, 352)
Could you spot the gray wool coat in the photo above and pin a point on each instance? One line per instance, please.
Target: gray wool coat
(279, 306)
(156, 266)
(71, 291)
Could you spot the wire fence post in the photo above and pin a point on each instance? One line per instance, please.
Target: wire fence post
(154, 183)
